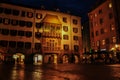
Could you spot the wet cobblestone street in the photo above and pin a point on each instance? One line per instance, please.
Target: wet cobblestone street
(60, 72)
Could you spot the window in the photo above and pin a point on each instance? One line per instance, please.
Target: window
(20, 33)
(12, 44)
(97, 33)
(0, 20)
(100, 11)
(76, 48)
(66, 47)
(23, 13)
(1, 10)
(28, 34)
(39, 25)
(102, 31)
(5, 31)
(3, 43)
(7, 11)
(6, 21)
(114, 39)
(37, 46)
(98, 43)
(27, 45)
(65, 19)
(110, 15)
(21, 23)
(110, 5)
(38, 34)
(75, 30)
(38, 15)
(20, 44)
(92, 34)
(107, 41)
(14, 22)
(101, 20)
(112, 27)
(75, 21)
(65, 37)
(29, 24)
(15, 12)
(103, 42)
(75, 38)
(65, 28)
(29, 14)
(13, 32)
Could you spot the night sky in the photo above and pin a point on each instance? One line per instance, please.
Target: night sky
(75, 7)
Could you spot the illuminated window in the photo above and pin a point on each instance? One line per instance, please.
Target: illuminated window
(103, 42)
(65, 28)
(66, 47)
(65, 37)
(75, 21)
(1, 10)
(98, 43)
(95, 15)
(65, 19)
(29, 14)
(114, 39)
(112, 27)
(110, 5)
(38, 15)
(6, 21)
(75, 30)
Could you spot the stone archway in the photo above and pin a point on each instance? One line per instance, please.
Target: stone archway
(76, 58)
(38, 59)
(19, 58)
(65, 58)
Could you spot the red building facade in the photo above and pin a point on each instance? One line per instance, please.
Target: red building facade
(104, 34)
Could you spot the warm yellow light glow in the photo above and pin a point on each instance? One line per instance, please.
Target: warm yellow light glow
(110, 5)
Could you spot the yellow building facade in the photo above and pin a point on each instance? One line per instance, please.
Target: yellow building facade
(38, 36)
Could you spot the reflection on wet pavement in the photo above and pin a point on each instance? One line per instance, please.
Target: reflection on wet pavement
(60, 72)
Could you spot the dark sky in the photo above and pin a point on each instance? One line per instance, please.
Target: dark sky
(76, 7)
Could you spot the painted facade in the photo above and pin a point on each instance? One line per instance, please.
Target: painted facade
(39, 36)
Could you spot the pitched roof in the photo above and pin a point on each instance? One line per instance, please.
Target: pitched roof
(51, 19)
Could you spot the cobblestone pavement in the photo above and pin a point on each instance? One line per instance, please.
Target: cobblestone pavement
(60, 72)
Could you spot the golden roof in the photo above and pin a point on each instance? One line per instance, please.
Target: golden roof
(51, 19)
